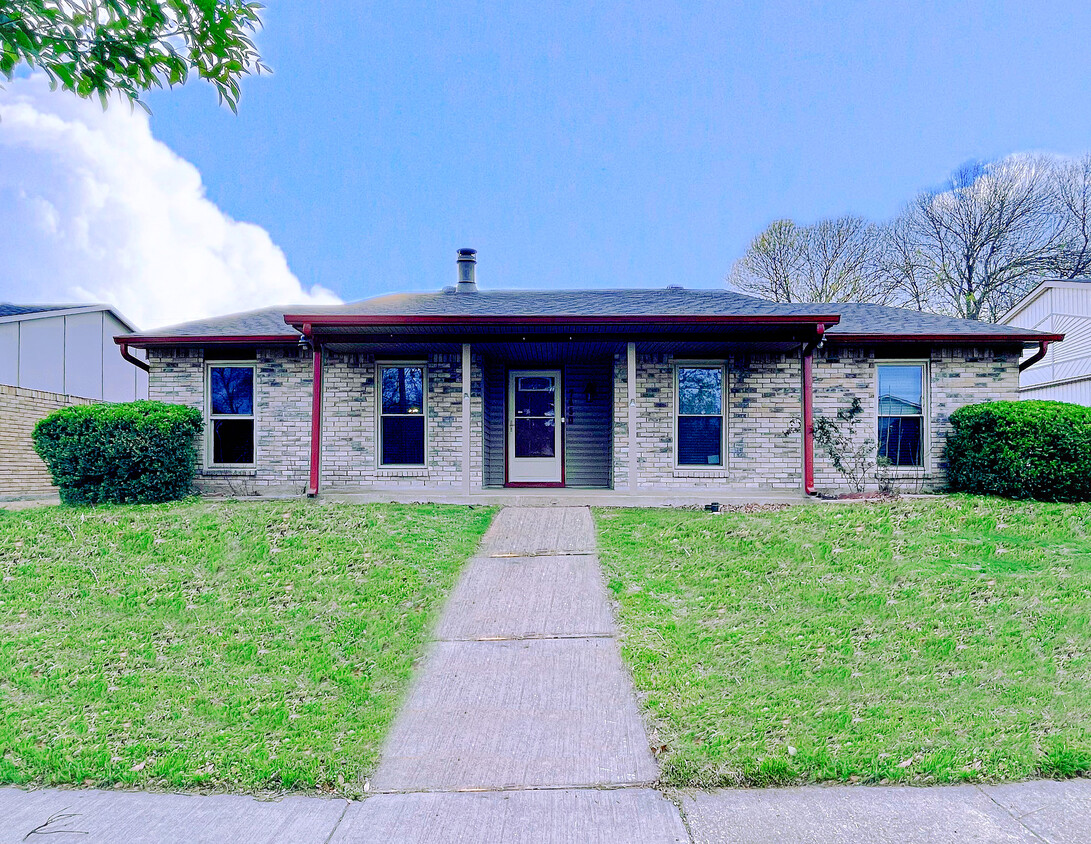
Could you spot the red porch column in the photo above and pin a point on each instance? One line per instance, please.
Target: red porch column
(808, 410)
(316, 414)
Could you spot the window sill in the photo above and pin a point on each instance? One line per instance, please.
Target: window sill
(402, 473)
(697, 472)
(228, 473)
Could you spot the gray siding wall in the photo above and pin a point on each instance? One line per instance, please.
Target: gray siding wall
(587, 439)
(72, 354)
(494, 390)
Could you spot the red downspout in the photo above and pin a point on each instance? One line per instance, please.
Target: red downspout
(808, 411)
(135, 361)
(1043, 347)
(316, 412)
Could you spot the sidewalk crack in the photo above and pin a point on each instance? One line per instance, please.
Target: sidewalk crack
(340, 818)
(1017, 818)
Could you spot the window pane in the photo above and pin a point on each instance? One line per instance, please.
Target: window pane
(403, 389)
(535, 382)
(534, 404)
(535, 438)
(699, 440)
(700, 391)
(232, 389)
(900, 390)
(900, 440)
(232, 440)
(403, 440)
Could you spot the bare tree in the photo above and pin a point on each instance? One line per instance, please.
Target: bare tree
(1071, 196)
(830, 261)
(986, 235)
(901, 267)
(771, 263)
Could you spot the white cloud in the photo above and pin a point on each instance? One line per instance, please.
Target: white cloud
(93, 208)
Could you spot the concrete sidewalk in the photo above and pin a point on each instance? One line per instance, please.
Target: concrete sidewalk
(521, 724)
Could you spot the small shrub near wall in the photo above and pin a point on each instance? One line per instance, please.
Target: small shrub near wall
(137, 452)
(1021, 449)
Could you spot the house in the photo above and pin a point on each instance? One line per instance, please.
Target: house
(665, 394)
(1062, 373)
(52, 356)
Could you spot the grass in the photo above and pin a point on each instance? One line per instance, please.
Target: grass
(230, 645)
(926, 641)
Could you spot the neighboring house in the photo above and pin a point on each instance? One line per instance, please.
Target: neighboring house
(52, 356)
(667, 393)
(1063, 373)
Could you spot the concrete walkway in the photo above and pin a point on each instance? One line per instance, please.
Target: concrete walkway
(521, 726)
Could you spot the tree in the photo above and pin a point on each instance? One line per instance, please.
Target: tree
(830, 261)
(99, 47)
(1071, 196)
(984, 237)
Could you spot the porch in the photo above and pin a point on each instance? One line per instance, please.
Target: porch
(541, 420)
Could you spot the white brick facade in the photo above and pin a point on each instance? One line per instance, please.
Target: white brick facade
(763, 439)
(957, 376)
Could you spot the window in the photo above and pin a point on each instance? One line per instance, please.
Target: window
(700, 415)
(231, 414)
(901, 414)
(401, 416)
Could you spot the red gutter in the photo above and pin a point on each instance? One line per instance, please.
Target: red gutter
(316, 414)
(137, 362)
(330, 320)
(1043, 347)
(838, 337)
(808, 412)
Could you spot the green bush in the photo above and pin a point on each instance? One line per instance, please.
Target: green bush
(1021, 449)
(141, 451)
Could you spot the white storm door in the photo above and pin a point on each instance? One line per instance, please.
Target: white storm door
(534, 426)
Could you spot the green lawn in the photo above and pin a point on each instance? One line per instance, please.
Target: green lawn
(249, 646)
(920, 641)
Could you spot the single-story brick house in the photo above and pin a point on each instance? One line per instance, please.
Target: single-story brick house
(644, 392)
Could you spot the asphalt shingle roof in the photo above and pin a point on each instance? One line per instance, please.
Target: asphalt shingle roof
(855, 318)
(9, 310)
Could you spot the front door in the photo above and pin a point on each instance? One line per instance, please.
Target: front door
(534, 426)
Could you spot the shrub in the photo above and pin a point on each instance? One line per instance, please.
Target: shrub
(1021, 449)
(142, 451)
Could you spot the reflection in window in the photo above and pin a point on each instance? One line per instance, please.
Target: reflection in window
(401, 429)
(700, 415)
(231, 415)
(901, 414)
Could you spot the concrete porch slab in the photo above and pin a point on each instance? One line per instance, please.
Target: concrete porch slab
(839, 814)
(515, 597)
(517, 817)
(567, 497)
(113, 817)
(517, 714)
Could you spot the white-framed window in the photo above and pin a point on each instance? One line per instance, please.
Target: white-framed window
(229, 404)
(700, 406)
(403, 395)
(903, 412)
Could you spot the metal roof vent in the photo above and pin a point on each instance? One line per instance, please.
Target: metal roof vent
(467, 263)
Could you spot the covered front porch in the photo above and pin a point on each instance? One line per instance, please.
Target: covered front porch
(579, 411)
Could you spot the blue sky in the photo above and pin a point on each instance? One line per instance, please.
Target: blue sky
(612, 144)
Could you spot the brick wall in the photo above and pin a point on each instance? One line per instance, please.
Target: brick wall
(957, 376)
(282, 410)
(350, 412)
(763, 439)
(22, 472)
(761, 452)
